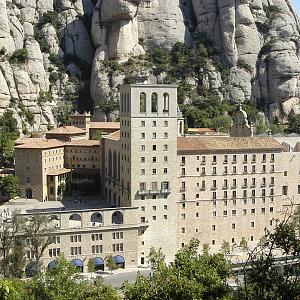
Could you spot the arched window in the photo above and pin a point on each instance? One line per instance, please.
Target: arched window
(115, 167)
(154, 102)
(166, 102)
(119, 167)
(75, 221)
(96, 219)
(117, 217)
(109, 163)
(142, 102)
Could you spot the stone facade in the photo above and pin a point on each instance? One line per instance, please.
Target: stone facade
(170, 187)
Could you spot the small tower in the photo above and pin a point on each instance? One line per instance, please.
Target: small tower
(82, 121)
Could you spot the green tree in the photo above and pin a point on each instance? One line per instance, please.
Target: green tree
(108, 106)
(9, 186)
(294, 123)
(244, 244)
(39, 234)
(266, 278)
(97, 135)
(191, 276)
(12, 246)
(110, 263)
(225, 247)
(8, 134)
(91, 265)
(19, 56)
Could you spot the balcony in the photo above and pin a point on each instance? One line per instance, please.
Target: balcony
(202, 188)
(165, 191)
(143, 192)
(244, 186)
(213, 188)
(225, 187)
(154, 192)
(233, 187)
(203, 174)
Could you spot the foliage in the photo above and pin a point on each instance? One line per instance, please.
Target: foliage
(97, 135)
(19, 56)
(110, 263)
(38, 232)
(91, 265)
(294, 123)
(225, 247)
(53, 77)
(9, 186)
(12, 257)
(44, 97)
(265, 277)
(61, 283)
(51, 17)
(244, 244)
(61, 188)
(108, 106)
(8, 134)
(243, 65)
(191, 276)
(40, 38)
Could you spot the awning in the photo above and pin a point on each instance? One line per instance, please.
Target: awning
(52, 264)
(119, 259)
(77, 262)
(98, 261)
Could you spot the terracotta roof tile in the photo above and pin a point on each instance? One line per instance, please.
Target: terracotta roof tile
(113, 136)
(105, 125)
(211, 144)
(83, 143)
(41, 144)
(59, 172)
(66, 130)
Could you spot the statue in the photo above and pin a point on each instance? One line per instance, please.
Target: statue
(240, 126)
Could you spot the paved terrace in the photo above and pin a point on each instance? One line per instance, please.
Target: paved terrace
(71, 204)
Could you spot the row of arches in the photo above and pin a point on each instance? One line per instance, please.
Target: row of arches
(154, 102)
(96, 219)
(98, 261)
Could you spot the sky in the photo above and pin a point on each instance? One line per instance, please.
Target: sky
(297, 6)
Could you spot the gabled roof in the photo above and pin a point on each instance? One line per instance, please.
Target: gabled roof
(67, 130)
(211, 143)
(41, 144)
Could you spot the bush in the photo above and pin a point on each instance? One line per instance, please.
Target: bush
(19, 56)
(243, 65)
(53, 77)
(51, 17)
(40, 38)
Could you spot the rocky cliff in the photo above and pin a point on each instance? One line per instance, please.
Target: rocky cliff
(80, 51)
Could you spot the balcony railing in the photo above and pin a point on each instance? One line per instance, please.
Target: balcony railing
(143, 192)
(165, 191)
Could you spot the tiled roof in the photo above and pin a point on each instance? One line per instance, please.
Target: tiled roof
(59, 172)
(25, 140)
(210, 144)
(83, 143)
(66, 130)
(40, 144)
(105, 125)
(113, 136)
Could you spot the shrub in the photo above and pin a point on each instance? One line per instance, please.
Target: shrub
(51, 17)
(2, 51)
(19, 56)
(243, 65)
(40, 38)
(53, 77)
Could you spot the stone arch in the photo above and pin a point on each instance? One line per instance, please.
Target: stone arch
(109, 163)
(75, 220)
(115, 167)
(166, 102)
(154, 102)
(96, 219)
(143, 102)
(117, 218)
